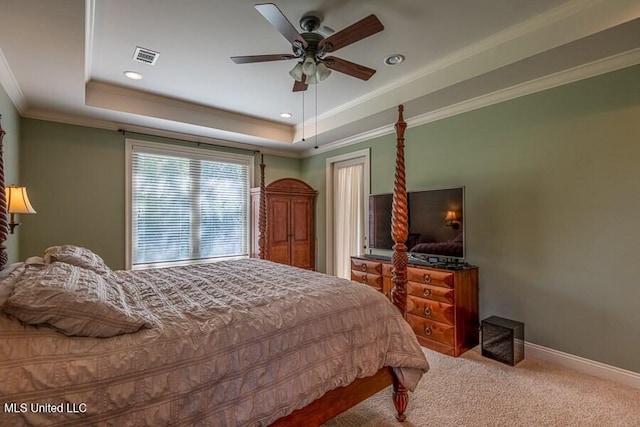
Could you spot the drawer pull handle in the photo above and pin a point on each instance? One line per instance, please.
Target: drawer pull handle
(427, 278)
(364, 279)
(364, 267)
(427, 311)
(426, 292)
(427, 330)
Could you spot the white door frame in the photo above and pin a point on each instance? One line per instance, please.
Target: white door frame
(330, 163)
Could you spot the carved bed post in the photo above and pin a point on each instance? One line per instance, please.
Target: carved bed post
(3, 206)
(400, 232)
(262, 215)
(399, 221)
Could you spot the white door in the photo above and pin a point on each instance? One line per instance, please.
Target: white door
(348, 213)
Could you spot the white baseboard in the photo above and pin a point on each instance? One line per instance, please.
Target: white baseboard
(590, 367)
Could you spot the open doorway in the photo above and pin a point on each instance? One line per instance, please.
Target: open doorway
(347, 190)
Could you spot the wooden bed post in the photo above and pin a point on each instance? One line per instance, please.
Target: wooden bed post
(399, 222)
(3, 206)
(262, 215)
(400, 232)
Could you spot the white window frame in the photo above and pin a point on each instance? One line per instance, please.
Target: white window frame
(132, 145)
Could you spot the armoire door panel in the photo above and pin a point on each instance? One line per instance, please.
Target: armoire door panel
(301, 257)
(278, 221)
(299, 216)
(278, 231)
(279, 254)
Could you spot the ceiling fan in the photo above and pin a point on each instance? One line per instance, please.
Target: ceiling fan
(311, 47)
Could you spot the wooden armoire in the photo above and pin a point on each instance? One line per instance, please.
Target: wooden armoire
(290, 236)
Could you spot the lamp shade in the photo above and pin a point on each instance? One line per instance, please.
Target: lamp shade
(309, 66)
(18, 201)
(312, 79)
(322, 71)
(296, 72)
(451, 216)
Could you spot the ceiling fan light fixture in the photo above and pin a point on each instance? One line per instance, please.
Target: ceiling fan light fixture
(312, 79)
(322, 71)
(309, 66)
(296, 72)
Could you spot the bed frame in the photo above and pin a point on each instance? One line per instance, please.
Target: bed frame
(338, 400)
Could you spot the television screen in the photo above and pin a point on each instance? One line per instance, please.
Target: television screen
(436, 222)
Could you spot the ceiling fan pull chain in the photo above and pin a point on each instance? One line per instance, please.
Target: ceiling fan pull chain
(316, 146)
(303, 117)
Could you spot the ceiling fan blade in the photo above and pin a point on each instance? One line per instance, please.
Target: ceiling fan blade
(272, 14)
(300, 86)
(353, 33)
(261, 58)
(350, 68)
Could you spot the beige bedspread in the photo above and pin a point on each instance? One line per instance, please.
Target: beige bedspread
(237, 343)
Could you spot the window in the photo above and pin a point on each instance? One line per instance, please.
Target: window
(186, 205)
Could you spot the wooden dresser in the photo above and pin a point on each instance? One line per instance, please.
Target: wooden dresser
(442, 305)
(290, 236)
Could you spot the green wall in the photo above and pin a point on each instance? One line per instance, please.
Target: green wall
(277, 167)
(552, 205)
(75, 177)
(76, 181)
(11, 125)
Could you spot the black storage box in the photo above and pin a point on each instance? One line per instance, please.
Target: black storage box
(503, 340)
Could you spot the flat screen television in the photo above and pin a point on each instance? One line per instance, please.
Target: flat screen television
(436, 222)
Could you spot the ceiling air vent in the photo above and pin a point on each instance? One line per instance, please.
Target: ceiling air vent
(145, 56)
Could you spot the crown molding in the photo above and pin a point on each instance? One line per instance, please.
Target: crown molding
(77, 120)
(570, 22)
(550, 81)
(11, 86)
(122, 99)
(89, 25)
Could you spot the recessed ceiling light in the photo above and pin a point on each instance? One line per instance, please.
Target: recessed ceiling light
(394, 59)
(285, 115)
(133, 75)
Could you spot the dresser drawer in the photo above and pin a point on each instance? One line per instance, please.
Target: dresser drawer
(429, 309)
(387, 270)
(436, 293)
(374, 280)
(430, 277)
(432, 330)
(366, 266)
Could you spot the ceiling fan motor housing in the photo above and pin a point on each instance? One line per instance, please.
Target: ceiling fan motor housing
(312, 39)
(310, 21)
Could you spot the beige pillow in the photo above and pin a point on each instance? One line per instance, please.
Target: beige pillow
(74, 300)
(78, 256)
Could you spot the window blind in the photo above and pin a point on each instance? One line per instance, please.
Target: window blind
(187, 207)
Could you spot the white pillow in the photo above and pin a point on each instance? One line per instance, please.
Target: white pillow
(78, 256)
(74, 300)
(10, 275)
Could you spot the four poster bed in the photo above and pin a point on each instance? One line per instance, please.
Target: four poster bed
(245, 342)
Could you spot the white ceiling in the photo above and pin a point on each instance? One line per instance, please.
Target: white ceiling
(64, 60)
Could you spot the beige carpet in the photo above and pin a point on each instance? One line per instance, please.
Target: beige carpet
(475, 391)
